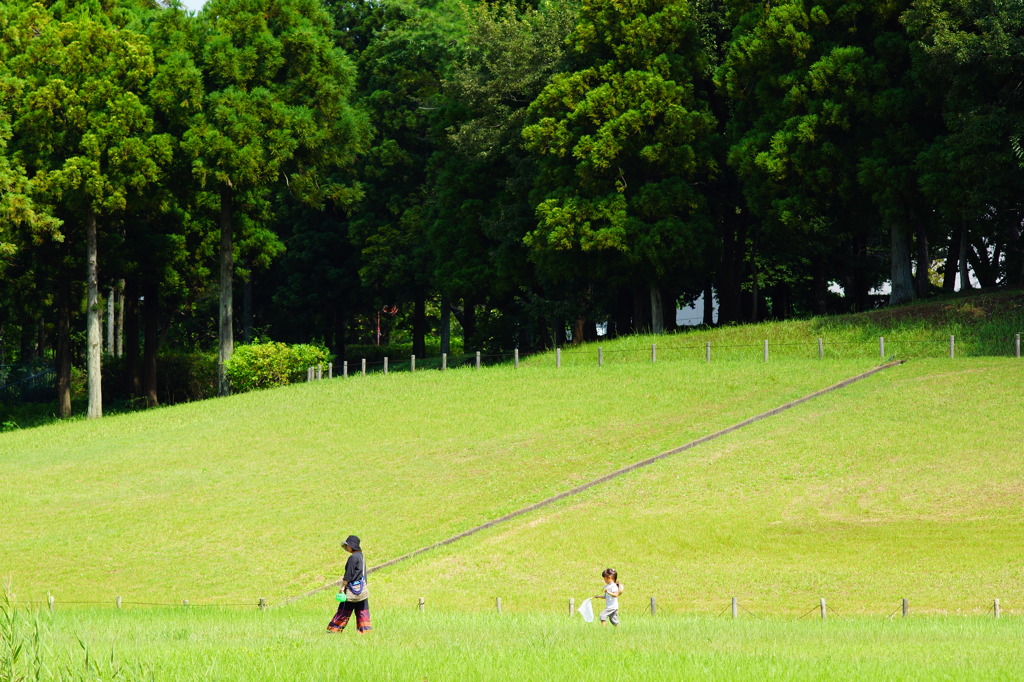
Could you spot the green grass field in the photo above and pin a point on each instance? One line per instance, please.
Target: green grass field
(288, 644)
(906, 484)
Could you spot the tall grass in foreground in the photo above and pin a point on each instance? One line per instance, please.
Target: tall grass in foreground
(290, 644)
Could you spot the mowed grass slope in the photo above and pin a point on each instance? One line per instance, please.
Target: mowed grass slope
(247, 497)
(908, 484)
(982, 325)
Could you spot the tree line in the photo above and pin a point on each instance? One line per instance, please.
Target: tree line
(518, 170)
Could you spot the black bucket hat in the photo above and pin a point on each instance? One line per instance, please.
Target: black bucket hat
(353, 542)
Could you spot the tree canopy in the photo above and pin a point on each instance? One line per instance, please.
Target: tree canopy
(509, 171)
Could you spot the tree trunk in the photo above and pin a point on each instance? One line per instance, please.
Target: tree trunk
(558, 332)
(983, 268)
(247, 312)
(227, 270)
(131, 332)
(468, 325)
(120, 319)
(579, 327)
(63, 349)
(339, 331)
(641, 310)
(446, 325)
(110, 322)
(965, 276)
(657, 313)
(709, 303)
(419, 325)
(861, 286)
(93, 314)
(952, 260)
(819, 287)
(755, 291)
(924, 261)
(730, 296)
(900, 270)
(151, 325)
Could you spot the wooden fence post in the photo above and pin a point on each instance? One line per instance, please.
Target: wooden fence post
(364, 367)
(499, 605)
(330, 370)
(881, 347)
(412, 364)
(50, 599)
(117, 602)
(735, 608)
(824, 613)
(952, 343)
(344, 369)
(1018, 346)
(385, 365)
(654, 353)
(558, 358)
(995, 608)
(906, 607)
(423, 603)
(707, 352)
(262, 605)
(572, 606)
(320, 372)
(516, 358)
(478, 359)
(821, 349)
(654, 607)
(600, 357)
(444, 362)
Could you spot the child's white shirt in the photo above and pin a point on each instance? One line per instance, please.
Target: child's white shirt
(611, 596)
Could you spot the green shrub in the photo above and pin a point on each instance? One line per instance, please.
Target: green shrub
(184, 377)
(264, 365)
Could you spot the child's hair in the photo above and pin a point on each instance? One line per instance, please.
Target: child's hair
(611, 572)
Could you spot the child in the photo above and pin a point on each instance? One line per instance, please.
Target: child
(612, 590)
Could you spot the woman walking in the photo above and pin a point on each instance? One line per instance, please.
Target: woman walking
(353, 591)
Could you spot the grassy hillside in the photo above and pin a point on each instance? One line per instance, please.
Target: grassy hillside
(983, 325)
(904, 485)
(903, 481)
(247, 497)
